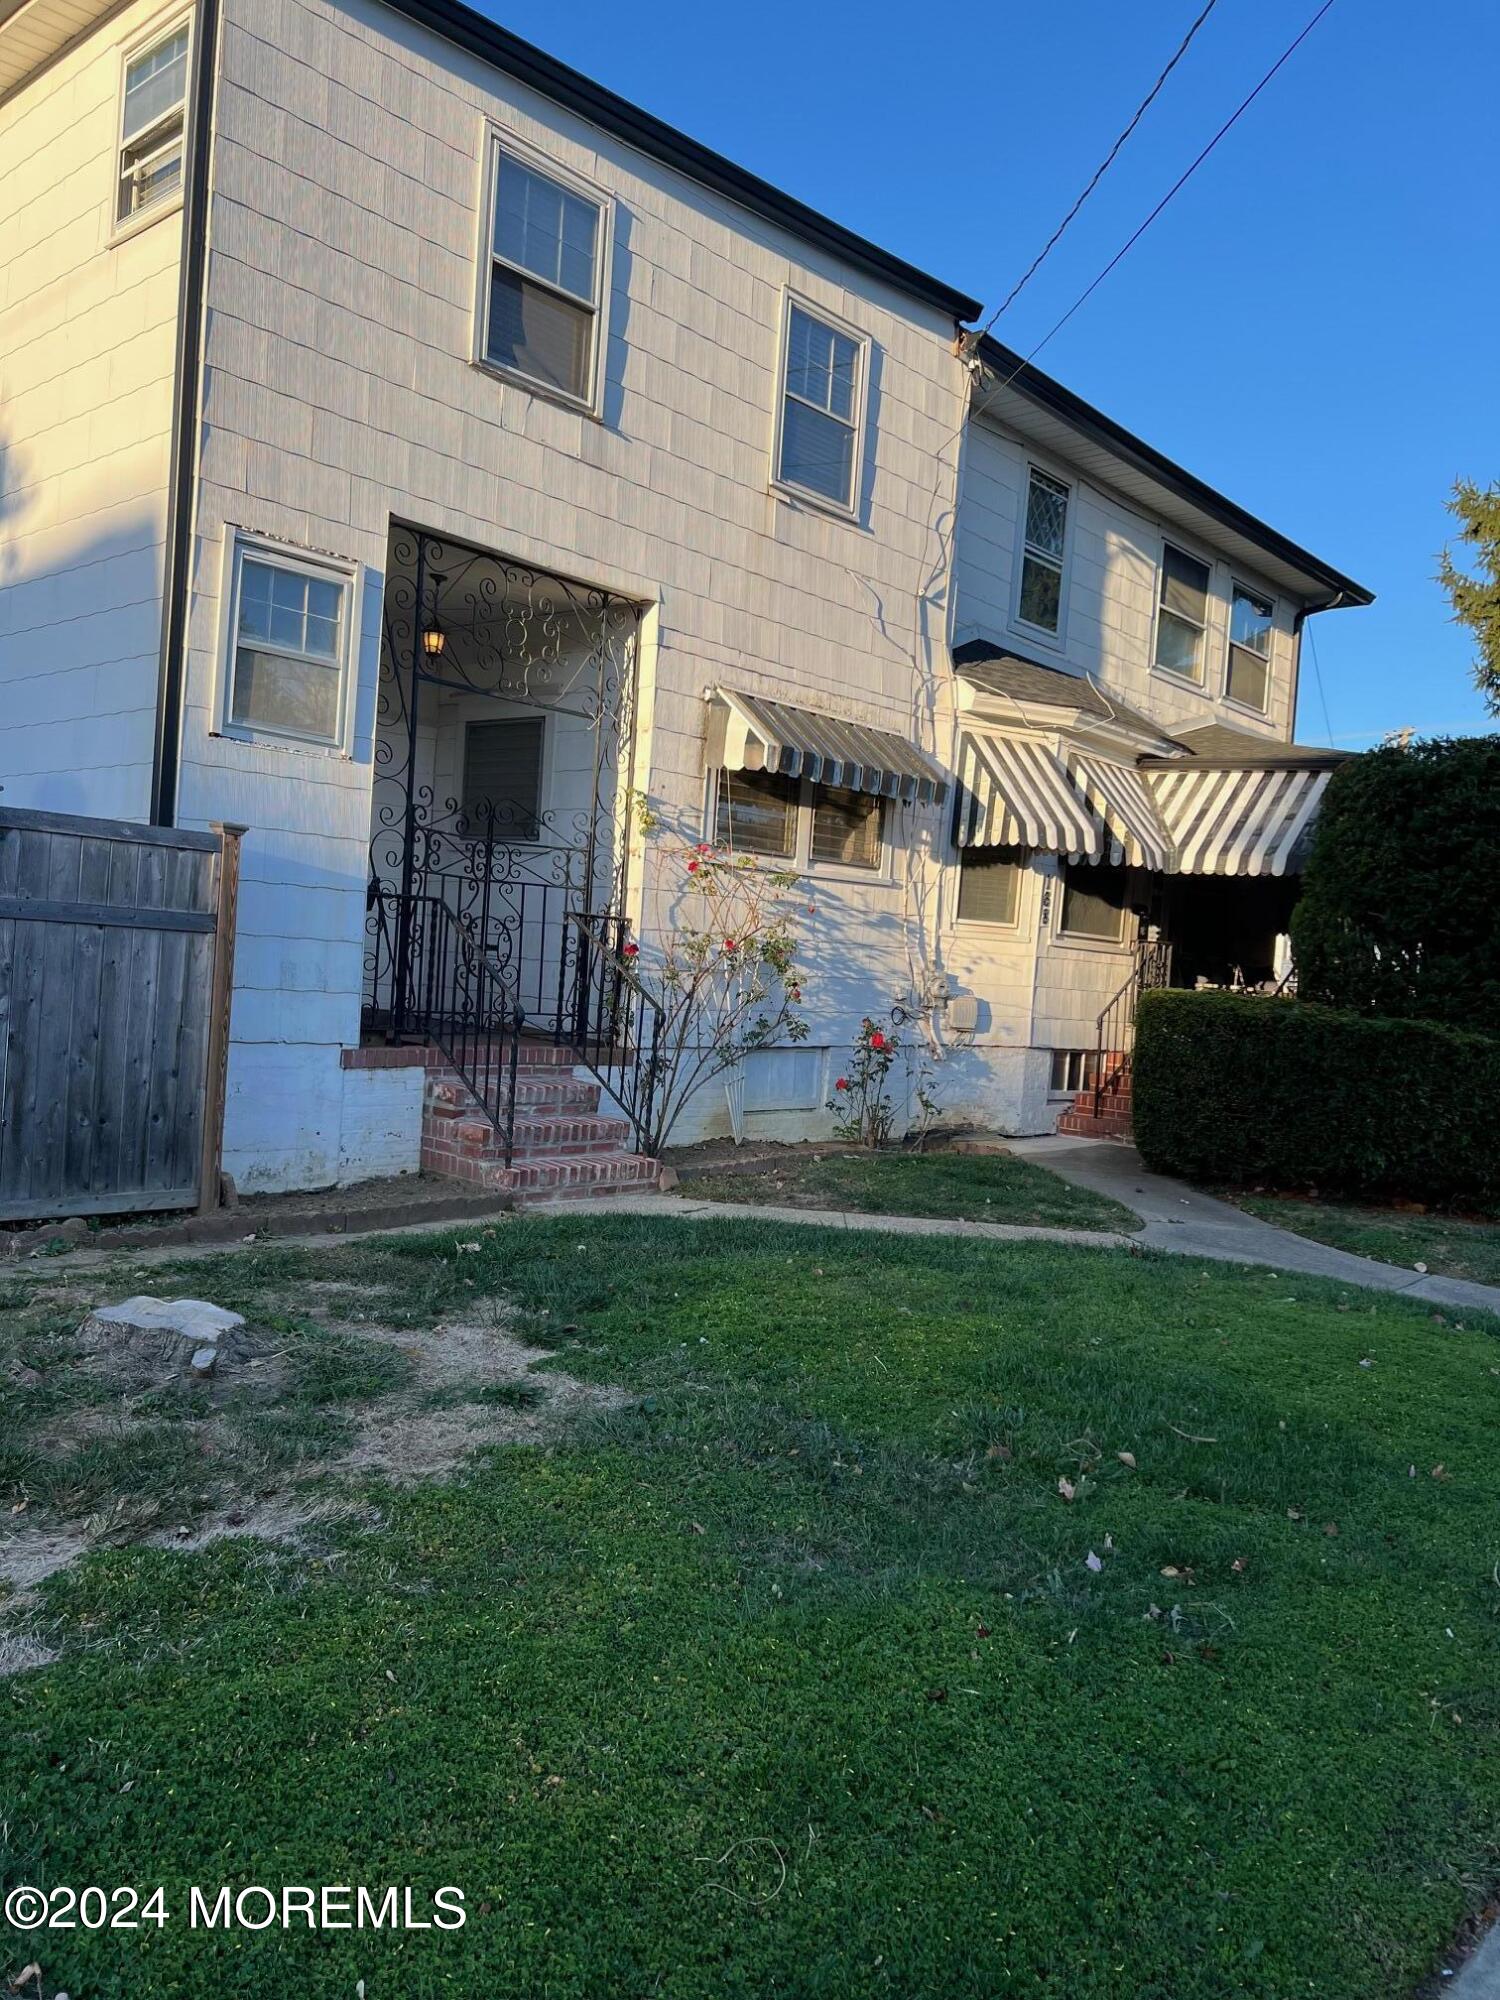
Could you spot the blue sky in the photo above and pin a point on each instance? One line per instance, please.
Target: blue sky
(1311, 325)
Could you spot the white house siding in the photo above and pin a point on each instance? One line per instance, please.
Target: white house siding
(1110, 584)
(338, 390)
(86, 355)
(1038, 990)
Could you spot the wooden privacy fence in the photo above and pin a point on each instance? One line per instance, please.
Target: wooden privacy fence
(116, 968)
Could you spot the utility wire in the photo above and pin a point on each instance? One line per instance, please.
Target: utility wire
(1099, 172)
(1318, 677)
(1182, 180)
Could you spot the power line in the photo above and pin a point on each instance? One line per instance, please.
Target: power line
(1099, 172)
(1181, 182)
(1318, 677)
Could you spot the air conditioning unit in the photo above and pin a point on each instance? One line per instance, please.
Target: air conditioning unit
(962, 1013)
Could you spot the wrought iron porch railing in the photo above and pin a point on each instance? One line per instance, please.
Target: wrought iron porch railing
(455, 995)
(617, 1028)
(1115, 1029)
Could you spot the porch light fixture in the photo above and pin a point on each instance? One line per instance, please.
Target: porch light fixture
(434, 638)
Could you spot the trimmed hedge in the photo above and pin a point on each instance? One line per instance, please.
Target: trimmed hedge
(1399, 913)
(1283, 1093)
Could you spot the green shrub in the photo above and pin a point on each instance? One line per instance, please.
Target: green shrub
(1399, 913)
(1283, 1093)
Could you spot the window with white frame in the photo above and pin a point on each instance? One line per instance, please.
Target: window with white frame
(819, 435)
(288, 646)
(786, 819)
(1181, 614)
(1074, 1070)
(153, 105)
(989, 885)
(1250, 621)
(1043, 551)
(544, 302)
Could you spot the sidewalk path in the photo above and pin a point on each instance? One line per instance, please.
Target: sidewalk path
(1177, 1219)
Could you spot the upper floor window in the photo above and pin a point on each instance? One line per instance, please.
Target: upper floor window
(1044, 541)
(151, 125)
(1249, 677)
(1181, 614)
(819, 435)
(544, 309)
(289, 645)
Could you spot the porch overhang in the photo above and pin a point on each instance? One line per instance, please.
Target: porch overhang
(1015, 792)
(1236, 821)
(750, 733)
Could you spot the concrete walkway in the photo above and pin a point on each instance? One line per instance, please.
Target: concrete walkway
(1177, 1219)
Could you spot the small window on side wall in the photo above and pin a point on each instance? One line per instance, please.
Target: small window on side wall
(544, 290)
(1181, 614)
(1043, 548)
(151, 125)
(819, 433)
(1093, 902)
(289, 646)
(989, 885)
(1249, 676)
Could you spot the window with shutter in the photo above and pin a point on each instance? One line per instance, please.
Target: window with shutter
(502, 788)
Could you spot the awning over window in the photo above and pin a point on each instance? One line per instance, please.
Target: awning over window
(749, 733)
(1236, 822)
(1117, 798)
(1014, 793)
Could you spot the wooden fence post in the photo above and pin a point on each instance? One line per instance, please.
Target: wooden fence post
(218, 1021)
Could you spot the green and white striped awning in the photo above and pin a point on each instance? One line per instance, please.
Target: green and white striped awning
(751, 733)
(1236, 821)
(1120, 803)
(1014, 792)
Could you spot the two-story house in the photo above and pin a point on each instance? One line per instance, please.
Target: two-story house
(417, 454)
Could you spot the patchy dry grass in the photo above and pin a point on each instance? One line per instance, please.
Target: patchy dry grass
(933, 1617)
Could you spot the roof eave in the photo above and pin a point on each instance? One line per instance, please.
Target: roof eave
(495, 45)
(1030, 381)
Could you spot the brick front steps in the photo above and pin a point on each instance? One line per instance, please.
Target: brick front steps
(564, 1146)
(1112, 1120)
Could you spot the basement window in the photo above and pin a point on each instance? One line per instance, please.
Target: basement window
(152, 112)
(1074, 1070)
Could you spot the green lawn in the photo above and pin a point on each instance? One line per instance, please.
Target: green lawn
(1449, 1246)
(971, 1187)
(792, 1675)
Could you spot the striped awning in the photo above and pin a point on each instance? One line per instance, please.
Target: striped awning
(1014, 793)
(1117, 797)
(1236, 822)
(750, 733)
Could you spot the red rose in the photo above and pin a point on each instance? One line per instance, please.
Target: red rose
(729, 944)
(842, 1084)
(630, 950)
(692, 868)
(877, 1041)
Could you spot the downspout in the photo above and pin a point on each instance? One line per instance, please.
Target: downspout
(186, 382)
